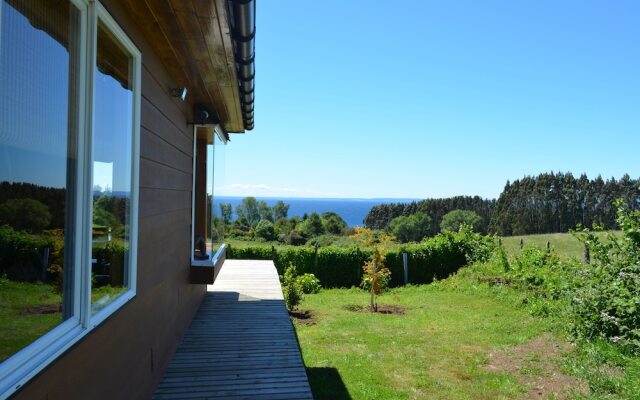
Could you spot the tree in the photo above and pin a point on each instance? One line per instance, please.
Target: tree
(380, 216)
(102, 212)
(333, 223)
(218, 228)
(453, 220)
(264, 211)
(266, 230)
(412, 228)
(312, 226)
(376, 275)
(280, 210)
(248, 210)
(226, 211)
(25, 215)
(291, 287)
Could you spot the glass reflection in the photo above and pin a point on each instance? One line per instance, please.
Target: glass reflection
(217, 181)
(38, 130)
(112, 167)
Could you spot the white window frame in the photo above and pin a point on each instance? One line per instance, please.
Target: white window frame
(22, 366)
(121, 36)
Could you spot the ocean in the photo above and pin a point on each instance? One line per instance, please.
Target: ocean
(353, 211)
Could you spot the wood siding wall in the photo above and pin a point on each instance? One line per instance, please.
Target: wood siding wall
(125, 357)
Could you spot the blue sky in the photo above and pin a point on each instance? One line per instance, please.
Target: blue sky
(424, 99)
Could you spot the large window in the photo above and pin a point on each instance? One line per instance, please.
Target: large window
(69, 128)
(208, 228)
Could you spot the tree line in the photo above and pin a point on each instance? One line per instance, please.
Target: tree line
(381, 215)
(256, 219)
(53, 198)
(30, 207)
(549, 202)
(558, 202)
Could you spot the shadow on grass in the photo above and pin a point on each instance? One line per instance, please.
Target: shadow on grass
(326, 383)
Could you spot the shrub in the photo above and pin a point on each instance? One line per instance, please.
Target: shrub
(266, 230)
(312, 226)
(437, 257)
(25, 215)
(19, 254)
(295, 239)
(607, 303)
(322, 240)
(238, 233)
(454, 220)
(291, 289)
(333, 223)
(309, 283)
(412, 228)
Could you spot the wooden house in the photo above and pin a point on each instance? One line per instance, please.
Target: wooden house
(106, 112)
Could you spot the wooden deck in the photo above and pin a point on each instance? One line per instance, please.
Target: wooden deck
(241, 344)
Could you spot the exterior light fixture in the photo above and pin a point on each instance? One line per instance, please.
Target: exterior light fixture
(180, 93)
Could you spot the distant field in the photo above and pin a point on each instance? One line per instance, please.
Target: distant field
(564, 244)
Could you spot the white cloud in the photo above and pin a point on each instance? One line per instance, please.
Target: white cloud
(262, 190)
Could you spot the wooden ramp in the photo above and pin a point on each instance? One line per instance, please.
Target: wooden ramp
(241, 344)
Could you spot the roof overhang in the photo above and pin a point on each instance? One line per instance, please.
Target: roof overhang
(207, 46)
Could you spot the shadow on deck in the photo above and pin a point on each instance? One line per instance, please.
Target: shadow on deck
(240, 344)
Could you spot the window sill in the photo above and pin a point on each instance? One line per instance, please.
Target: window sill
(205, 271)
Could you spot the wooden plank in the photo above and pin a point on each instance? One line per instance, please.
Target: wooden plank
(158, 93)
(240, 344)
(154, 229)
(159, 176)
(155, 201)
(152, 119)
(156, 148)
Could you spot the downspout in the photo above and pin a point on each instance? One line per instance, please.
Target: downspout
(243, 27)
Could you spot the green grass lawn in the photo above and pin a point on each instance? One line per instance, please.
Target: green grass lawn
(26, 311)
(18, 327)
(564, 244)
(436, 350)
(445, 345)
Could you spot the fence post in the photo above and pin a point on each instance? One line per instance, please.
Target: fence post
(548, 246)
(521, 244)
(587, 254)
(44, 260)
(405, 265)
(357, 270)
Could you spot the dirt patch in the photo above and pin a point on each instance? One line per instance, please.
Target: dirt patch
(382, 309)
(304, 317)
(42, 309)
(535, 364)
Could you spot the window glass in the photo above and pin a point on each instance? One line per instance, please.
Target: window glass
(210, 214)
(112, 169)
(202, 195)
(209, 226)
(218, 181)
(39, 83)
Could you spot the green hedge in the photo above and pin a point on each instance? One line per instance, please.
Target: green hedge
(114, 255)
(436, 257)
(20, 254)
